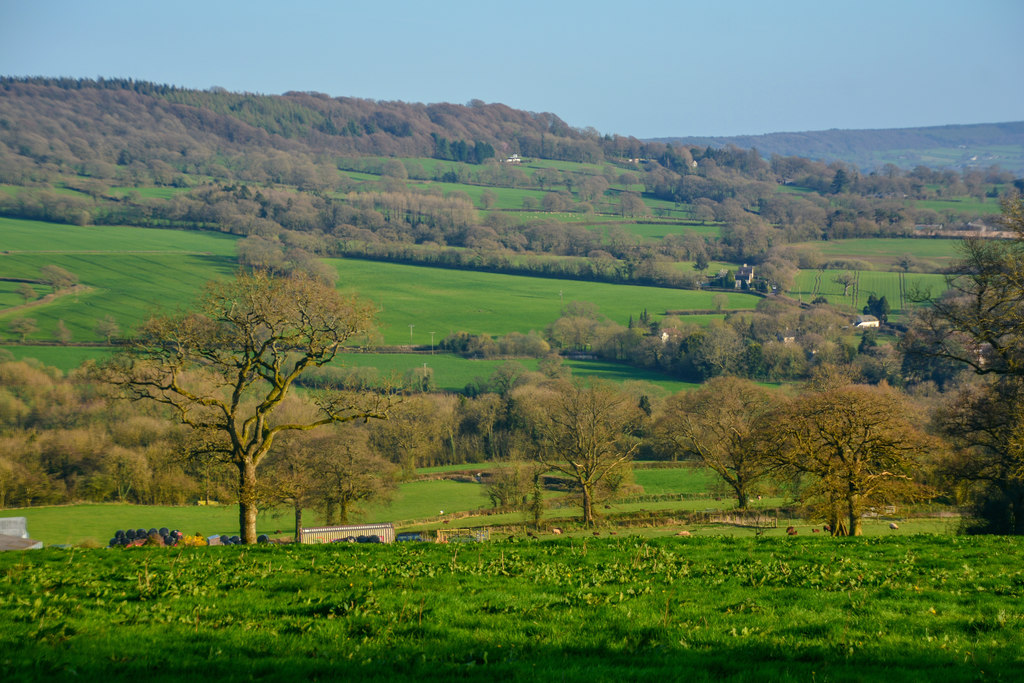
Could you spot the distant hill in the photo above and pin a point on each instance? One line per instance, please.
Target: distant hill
(121, 120)
(937, 147)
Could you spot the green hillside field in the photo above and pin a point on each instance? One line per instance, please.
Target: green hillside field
(131, 273)
(446, 301)
(885, 253)
(813, 283)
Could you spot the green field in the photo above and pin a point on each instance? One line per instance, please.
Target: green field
(675, 480)
(133, 272)
(128, 287)
(148, 192)
(885, 253)
(453, 373)
(9, 296)
(129, 272)
(657, 230)
(97, 522)
(64, 358)
(36, 237)
(698, 609)
(965, 206)
(420, 503)
(813, 283)
(446, 301)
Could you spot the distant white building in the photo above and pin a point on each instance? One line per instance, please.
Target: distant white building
(865, 321)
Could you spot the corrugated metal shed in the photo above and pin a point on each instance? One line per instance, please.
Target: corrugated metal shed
(14, 526)
(14, 535)
(329, 534)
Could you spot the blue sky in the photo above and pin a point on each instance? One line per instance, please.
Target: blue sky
(646, 68)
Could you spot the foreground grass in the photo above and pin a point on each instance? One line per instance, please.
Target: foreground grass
(913, 608)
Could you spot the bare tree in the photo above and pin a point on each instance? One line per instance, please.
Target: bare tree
(715, 425)
(979, 323)
(57, 277)
(856, 444)
(979, 320)
(108, 328)
(61, 332)
(26, 292)
(847, 280)
(587, 433)
(23, 327)
(226, 367)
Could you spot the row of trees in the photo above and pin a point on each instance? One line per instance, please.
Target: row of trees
(848, 449)
(860, 444)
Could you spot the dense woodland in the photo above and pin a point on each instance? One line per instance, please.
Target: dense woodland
(304, 175)
(268, 166)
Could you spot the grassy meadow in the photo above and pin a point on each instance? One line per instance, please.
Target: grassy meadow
(446, 301)
(813, 283)
(453, 373)
(130, 273)
(886, 254)
(125, 272)
(64, 358)
(695, 609)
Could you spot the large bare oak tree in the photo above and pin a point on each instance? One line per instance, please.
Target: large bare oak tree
(855, 445)
(587, 433)
(226, 367)
(715, 424)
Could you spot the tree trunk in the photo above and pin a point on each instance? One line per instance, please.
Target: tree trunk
(1017, 510)
(855, 522)
(247, 500)
(298, 521)
(342, 511)
(331, 512)
(833, 522)
(588, 506)
(742, 501)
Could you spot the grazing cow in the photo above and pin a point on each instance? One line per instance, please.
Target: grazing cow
(791, 530)
(893, 525)
(815, 531)
(556, 531)
(684, 532)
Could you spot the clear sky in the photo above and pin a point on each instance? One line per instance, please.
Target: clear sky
(647, 68)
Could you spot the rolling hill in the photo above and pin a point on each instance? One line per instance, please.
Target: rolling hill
(938, 147)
